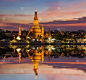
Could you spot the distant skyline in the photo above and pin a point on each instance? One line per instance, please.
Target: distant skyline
(58, 14)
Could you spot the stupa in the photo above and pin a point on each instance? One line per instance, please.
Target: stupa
(35, 28)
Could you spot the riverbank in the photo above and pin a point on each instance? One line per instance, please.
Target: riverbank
(36, 43)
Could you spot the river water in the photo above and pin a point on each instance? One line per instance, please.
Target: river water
(62, 62)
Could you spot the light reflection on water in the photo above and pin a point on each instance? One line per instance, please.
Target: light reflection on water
(41, 60)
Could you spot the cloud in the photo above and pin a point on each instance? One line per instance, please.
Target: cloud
(15, 26)
(76, 24)
(22, 8)
(71, 25)
(3, 18)
(16, 15)
(57, 10)
(52, 6)
(80, 20)
(61, 15)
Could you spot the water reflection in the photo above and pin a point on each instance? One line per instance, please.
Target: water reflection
(38, 54)
(56, 51)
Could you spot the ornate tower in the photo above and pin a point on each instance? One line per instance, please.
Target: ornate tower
(49, 34)
(19, 34)
(36, 57)
(28, 33)
(35, 21)
(42, 32)
(49, 31)
(19, 30)
(35, 30)
(35, 18)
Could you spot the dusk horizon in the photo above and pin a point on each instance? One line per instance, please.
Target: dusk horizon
(64, 15)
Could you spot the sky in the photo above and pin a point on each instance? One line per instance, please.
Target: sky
(62, 68)
(66, 15)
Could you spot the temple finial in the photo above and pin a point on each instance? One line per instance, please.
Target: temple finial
(35, 10)
(35, 18)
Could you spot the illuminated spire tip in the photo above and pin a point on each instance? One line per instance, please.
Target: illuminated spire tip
(35, 10)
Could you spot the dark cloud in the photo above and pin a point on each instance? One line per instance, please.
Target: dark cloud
(80, 20)
(54, 25)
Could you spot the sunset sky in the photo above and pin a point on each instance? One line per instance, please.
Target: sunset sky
(58, 14)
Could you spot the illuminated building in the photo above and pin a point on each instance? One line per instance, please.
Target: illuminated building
(19, 30)
(48, 35)
(28, 33)
(14, 40)
(18, 37)
(35, 30)
(42, 32)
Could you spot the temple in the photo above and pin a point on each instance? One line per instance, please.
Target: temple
(35, 30)
(48, 35)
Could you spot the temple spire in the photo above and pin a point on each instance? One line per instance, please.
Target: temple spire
(35, 18)
(49, 30)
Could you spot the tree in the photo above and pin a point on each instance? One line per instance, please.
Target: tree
(39, 37)
(58, 36)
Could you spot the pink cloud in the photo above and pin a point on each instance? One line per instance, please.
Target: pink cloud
(17, 15)
(63, 14)
(67, 25)
(53, 11)
(68, 62)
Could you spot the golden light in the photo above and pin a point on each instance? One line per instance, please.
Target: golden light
(28, 37)
(27, 46)
(18, 49)
(14, 40)
(27, 50)
(35, 77)
(49, 49)
(35, 10)
(18, 38)
(27, 41)
(49, 38)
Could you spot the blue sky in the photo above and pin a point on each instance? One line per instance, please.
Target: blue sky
(22, 12)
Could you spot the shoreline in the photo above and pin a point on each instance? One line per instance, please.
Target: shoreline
(7, 43)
